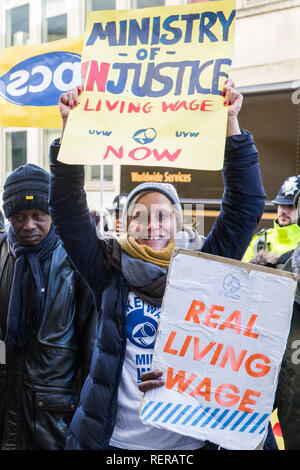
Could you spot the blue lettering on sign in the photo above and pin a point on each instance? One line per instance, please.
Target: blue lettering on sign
(171, 30)
(40, 80)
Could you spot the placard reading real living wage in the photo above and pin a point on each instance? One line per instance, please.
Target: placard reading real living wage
(221, 339)
(153, 81)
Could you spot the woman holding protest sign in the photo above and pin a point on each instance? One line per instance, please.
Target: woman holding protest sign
(127, 277)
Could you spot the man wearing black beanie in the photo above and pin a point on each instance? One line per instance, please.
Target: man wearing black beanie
(47, 321)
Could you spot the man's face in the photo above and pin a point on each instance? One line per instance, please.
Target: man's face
(117, 219)
(286, 215)
(30, 226)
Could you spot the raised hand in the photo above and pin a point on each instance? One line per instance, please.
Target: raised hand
(68, 101)
(234, 100)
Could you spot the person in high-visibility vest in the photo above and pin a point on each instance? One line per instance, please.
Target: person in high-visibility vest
(284, 236)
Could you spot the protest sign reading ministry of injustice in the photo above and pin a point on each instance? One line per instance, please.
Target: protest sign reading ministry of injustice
(220, 343)
(153, 81)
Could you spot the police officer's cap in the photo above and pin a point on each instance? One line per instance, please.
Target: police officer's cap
(288, 191)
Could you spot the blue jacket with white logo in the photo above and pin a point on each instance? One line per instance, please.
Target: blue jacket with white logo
(242, 206)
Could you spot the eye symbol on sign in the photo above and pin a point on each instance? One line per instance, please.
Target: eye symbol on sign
(145, 136)
(144, 333)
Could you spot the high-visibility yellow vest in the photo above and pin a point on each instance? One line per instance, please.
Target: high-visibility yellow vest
(277, 240)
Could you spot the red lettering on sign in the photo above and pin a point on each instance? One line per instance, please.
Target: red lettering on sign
(97, 76)
(180, 379)
(195, 310)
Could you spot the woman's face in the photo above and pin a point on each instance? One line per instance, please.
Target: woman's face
(152, 221)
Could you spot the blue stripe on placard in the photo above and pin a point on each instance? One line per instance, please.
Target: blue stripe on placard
(190, 416)
(263, 429)
(162, 412)
(204, 417)
(181, 414)
(155, 408)
(211, 416)
(204, 412)
(219, 419)
(231, 417)
(146, 407)
(259, 422)
(172, 413)
(241, 418)
(250, 420)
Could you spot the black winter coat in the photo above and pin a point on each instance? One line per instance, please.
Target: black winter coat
(40, 384)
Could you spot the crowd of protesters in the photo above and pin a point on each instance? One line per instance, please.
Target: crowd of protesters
(68, 378)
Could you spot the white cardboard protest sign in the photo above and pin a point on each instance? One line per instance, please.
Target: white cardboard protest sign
(223, 330)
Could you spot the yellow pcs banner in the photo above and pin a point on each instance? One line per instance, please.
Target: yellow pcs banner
(153, 82)
(32, 78)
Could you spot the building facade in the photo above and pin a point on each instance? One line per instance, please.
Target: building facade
(266, 68)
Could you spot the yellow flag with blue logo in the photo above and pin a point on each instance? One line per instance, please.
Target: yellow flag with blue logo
(32, 78)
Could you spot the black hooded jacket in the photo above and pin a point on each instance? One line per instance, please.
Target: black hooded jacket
(40, 383)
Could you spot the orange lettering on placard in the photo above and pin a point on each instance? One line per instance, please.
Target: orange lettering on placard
(233, 399)
(185, 346)
(248, 328)
(234, 317)
(179, 378)
(235, 363)
(199, 355)
(195, 310)
(233, 321)
(169, 343)
(264, 369)
(246, 400)
(205, 384)
(211, 314)
(216, 354)
(226, 395)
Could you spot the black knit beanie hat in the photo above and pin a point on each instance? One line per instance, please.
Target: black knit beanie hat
(27, 187)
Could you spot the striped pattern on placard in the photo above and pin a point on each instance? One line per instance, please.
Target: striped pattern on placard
(197, 416)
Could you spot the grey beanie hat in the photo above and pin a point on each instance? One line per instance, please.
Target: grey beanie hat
(165, 188)
(27, 187)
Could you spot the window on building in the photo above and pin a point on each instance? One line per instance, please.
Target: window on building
(17, 26)
(92, 5)
(54, 20)
(146, 3)
(16, 150)
(92, 174)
